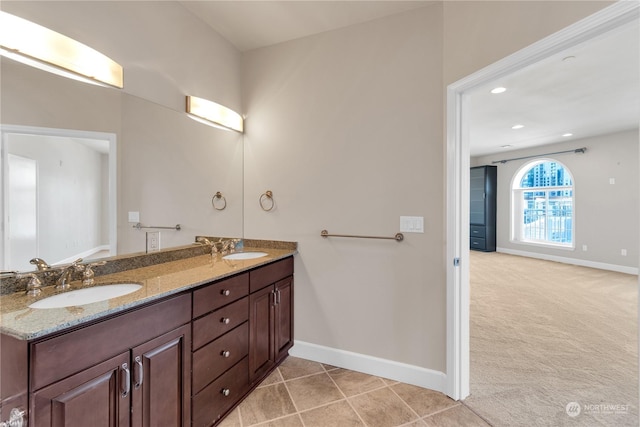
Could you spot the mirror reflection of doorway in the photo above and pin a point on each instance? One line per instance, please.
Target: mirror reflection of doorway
(58, 196)
(22, 236)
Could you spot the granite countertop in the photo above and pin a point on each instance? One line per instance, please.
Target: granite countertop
(158, 281)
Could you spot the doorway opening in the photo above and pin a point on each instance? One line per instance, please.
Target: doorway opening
(458, 165)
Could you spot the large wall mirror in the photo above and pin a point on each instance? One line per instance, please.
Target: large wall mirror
(59, 138)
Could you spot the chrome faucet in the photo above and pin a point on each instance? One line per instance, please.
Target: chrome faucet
(64, 281)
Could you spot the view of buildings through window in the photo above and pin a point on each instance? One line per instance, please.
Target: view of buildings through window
(546, 214)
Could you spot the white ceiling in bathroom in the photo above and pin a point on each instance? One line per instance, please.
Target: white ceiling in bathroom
(595, 92)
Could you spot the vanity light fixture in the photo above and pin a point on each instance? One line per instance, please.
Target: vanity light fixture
(497, 90)
(40, 47)
(213, 114)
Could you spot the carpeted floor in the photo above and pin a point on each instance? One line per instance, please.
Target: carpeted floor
(546, 334)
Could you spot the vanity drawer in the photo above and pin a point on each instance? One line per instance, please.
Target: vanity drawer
(211, 326)
(477, 243)
(220, 294)
(271, 273)
(477, 231)
(216, 357)
(210, 404)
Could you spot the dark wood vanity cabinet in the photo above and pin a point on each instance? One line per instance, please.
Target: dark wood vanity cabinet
(220, 348)
(242, 329)
(271, 324)
(131, 370)
(186, 360)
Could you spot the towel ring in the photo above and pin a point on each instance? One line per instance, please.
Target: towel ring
(267, 195)
(218, 196)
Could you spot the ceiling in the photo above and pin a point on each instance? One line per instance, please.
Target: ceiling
(596, 91)
(588, 90)
(253, 24)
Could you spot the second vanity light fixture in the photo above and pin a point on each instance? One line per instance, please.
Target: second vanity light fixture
(213, 114)
(40, 47)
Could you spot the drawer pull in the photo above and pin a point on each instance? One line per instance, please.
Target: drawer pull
(225, 320)
(225, 353)
(225, 392)
(225, 292)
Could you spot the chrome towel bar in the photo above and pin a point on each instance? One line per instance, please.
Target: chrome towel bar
(399, 237)
(139, 226)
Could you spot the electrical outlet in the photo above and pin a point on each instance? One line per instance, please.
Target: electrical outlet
(584, 248)
(153, 241)
(623, 252)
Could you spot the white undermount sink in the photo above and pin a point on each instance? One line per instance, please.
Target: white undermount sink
(244, 255)
(86, 295)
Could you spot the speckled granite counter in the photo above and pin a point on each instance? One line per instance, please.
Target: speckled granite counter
(158, 281)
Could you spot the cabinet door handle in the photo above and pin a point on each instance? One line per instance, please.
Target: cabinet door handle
(225, 392)
(225, 353)
(275, 301)
(139, 372)
(225, 292)
(225, 320)
(125, 384)
(278, 296)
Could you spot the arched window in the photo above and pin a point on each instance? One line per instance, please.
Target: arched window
(542, 204)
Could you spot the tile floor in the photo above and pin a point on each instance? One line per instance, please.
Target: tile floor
(301, 393)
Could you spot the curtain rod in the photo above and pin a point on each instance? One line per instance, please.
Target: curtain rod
(577, 150)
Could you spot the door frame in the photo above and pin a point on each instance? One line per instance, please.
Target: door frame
(457, 176)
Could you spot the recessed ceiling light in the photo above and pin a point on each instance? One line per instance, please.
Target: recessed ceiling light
(568, 58)
(498, 89)
(516, 127)
(506, 146)
(567, 134)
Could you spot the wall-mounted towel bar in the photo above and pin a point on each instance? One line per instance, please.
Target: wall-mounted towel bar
(139, 226)
(399, 237)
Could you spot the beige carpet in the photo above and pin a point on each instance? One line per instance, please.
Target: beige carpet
(545, 334)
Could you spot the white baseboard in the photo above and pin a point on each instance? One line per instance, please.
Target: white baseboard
(574, 261)
(410, 374)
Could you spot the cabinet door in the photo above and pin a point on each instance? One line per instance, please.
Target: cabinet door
(283, 317)
(261, 332)
(161, 381)
(98, 396)
(477, 195)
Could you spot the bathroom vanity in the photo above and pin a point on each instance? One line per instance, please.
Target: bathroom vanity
(183, 350)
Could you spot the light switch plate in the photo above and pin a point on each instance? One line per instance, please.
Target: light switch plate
(412, 224)
(134, 216)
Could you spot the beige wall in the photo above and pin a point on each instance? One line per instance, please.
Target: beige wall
(344, 128)
(606, 215)
(479, 33)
